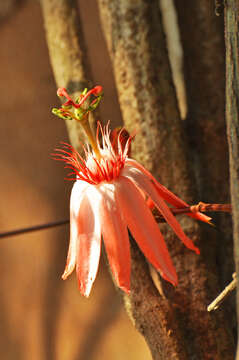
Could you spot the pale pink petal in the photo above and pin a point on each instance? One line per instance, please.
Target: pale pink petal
(144, 228)
(85, 235)
(115, 236)
(143, 182)
(71, 256)
(166, 194)
(89, 240)
(77, 195)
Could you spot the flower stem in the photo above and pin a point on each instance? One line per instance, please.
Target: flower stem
(88, 131)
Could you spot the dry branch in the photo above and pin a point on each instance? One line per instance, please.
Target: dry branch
(221, 297)
(67, 53)
(232, 118)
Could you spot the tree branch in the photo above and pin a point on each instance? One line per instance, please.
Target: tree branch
(221, 297)
(204, 73)
(67, 54)
(232, 119)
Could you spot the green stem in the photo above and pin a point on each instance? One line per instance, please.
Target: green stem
(88, 131)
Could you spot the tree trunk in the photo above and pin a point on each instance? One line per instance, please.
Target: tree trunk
(175, 324)
(68, 55)
(204, 70)
(232, 118)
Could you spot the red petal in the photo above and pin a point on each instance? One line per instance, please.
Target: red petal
(144, 183)
(115, 235)
(144, 229)
(167, 195)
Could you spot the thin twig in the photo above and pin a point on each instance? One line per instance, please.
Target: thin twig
(221, 297)
(202, 207)
(33, 228)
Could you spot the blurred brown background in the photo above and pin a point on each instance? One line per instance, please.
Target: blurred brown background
(41, 316)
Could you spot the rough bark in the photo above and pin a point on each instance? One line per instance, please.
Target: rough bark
(143, 81)
(175, 324)
(203, 46)
(67, 53)
(232, 118)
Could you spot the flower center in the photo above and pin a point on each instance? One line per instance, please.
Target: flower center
(107, 168)
(108, 156)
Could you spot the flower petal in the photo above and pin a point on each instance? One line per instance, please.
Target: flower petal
(115, 236)
(77, 195)
(144, 228)
(89, 240)
(87, 234)
(143, 182)
(166, 194)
